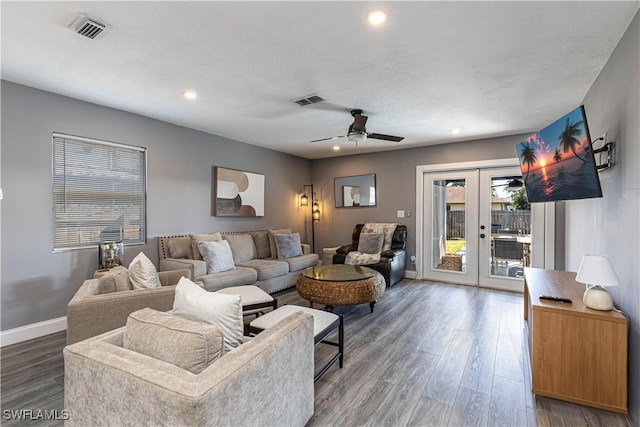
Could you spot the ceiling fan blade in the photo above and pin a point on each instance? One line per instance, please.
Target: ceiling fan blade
(514, 183)
(385, 137)
(359, 122)
(327, 139)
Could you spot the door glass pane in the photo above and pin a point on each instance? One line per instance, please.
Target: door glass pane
(510, 227)
(448, 228)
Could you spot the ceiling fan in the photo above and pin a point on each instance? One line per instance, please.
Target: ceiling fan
(358, 133)
(514, 183)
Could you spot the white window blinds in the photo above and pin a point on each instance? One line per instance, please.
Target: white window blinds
(99, 192)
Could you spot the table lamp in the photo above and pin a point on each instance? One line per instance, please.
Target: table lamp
(596, 272)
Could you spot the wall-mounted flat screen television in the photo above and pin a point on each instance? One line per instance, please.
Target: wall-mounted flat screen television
(557, 163)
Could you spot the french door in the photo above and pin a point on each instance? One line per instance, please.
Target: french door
(451, 219)
(477, 228)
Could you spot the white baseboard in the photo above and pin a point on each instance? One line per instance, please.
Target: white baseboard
(410, 274)
(35, 330)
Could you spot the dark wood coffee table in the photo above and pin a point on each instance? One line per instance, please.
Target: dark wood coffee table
(340, 284)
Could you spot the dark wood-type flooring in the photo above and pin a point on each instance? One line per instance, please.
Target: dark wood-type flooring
(431, 354)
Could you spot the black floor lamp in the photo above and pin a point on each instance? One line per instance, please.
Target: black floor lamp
(315, 211)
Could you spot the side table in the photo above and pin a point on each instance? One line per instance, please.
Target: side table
(327, 255)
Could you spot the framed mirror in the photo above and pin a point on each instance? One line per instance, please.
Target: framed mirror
(355, 191)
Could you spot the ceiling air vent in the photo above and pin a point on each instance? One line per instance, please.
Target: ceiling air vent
(87, 26)
(309, 99)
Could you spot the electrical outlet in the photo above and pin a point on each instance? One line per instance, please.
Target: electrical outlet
(400, 214)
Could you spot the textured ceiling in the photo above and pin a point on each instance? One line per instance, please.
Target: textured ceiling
(487, 68)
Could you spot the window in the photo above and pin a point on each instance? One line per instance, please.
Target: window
(99, 192)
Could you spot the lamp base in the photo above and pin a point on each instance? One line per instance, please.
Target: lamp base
(597, 298)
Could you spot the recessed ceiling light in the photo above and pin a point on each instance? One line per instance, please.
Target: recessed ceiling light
(336, 148)
(376, 17)
(455, 131)
(189, 94)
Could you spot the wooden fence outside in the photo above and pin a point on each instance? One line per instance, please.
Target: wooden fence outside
(500, 220)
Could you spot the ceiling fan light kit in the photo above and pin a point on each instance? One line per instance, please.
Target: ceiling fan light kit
(357, 137)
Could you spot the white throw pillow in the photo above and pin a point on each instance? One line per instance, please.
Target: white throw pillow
(217, 255)
(197, 238)
(223, 310)
(143, 273)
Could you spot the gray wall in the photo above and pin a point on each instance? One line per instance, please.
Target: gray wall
(36, 284)
(395, 184)
(610, 225)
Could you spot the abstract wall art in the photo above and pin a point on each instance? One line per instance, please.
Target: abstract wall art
(237, 193)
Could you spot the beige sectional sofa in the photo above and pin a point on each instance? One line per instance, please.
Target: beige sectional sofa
(267, 381)
(255, 257)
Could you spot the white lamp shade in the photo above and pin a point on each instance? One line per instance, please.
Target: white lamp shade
(357, 137)
(597, 270)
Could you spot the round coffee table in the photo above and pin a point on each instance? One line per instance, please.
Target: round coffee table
(340, 284)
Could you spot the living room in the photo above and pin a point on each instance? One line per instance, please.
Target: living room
(37, 283)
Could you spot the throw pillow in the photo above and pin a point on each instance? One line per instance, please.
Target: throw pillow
(180, 248)
(370, 243)
(261, 239)
(116, 280)
(106, 285)
(288, 245)
(121, 276)
(143, 273)
(387, 229)
(222, 310)
(242, 246)
(195, 238)
(272, 240)
(217, 255)
(188, 344)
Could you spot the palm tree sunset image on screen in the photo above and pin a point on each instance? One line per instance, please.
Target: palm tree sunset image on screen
(528, 157)
(558, 163)
(557, 156)
(568, 137)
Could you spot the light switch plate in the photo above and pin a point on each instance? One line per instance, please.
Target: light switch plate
(400, 214)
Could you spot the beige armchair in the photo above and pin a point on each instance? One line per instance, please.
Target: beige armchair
(267, 381)
(90, 313)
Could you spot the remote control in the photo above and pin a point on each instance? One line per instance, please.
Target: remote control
(559, 299)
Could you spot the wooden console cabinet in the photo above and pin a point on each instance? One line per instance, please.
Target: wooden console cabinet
(577, 354)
